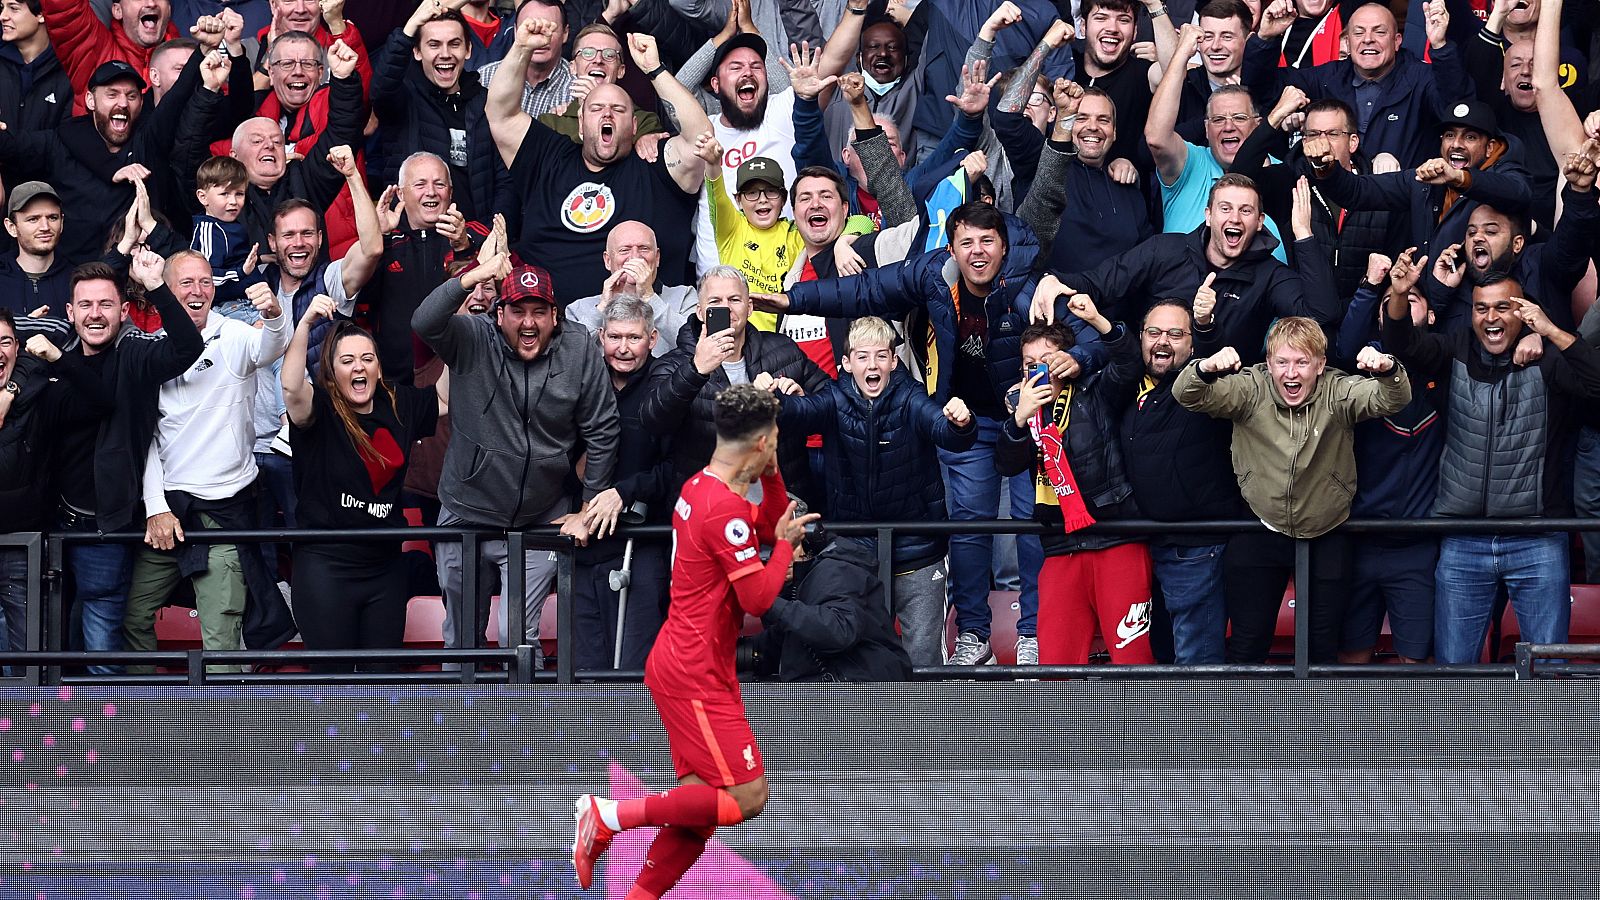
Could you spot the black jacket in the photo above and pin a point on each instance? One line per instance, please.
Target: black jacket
(34, 96)
(415, 115)
(50, 398)
(73, 158)
(879, 459)
(1347, 245)
(414, 262)
(1178, 460)
(1250, 294)
(1548, 271)
(1092, 450)
(311, 179)
(141, 363)
(837, 627)
(681, 402)
(644, 477)
(23, 295)
(1430, 227)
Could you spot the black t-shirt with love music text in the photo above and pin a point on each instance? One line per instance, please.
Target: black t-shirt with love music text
(340, 487)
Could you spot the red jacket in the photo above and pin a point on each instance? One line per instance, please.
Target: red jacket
(84, 43)
(351, 38)
(305, 126)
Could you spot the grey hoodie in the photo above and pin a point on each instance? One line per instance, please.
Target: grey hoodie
(515, 425)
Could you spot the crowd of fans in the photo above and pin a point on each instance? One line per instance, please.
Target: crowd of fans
(1080, 261)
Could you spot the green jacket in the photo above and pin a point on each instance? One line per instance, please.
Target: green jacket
(1296, 467)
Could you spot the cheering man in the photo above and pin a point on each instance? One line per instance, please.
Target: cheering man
(717, 577)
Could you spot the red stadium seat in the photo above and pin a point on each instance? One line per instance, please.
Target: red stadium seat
(1004, 610)
(177, 628)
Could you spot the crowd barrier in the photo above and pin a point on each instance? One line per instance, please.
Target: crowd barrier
(46, 658)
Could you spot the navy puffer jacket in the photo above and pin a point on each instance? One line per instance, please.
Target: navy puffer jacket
(879, 459)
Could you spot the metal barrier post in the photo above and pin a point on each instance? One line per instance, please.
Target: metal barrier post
(197, 667)
(33, 551)
(54, 616)
(468, 634)
(566, 633)
(1302, 609)
(1524, 661)
(514, 593)
(886, 567)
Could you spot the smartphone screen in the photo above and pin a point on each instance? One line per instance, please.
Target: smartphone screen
(718, 318)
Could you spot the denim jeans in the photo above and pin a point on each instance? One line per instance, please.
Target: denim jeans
(1586, 497)
(972, 491)
(1191, 584)
(1472, 567)
(276, 494)
(14, 577)
(100, 574)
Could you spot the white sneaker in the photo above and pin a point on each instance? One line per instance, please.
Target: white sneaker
(971, 650)
(1027, 651)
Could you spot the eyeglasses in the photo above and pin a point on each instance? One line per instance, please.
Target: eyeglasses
(289, 65)
(754, 194)
(605, 53)
(1313, 135)
(1176, 334)
(1236, 118)
(1038, 98)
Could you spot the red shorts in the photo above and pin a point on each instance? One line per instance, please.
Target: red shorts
(710, 738)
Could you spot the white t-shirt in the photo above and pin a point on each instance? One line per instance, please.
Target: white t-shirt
(774, 139)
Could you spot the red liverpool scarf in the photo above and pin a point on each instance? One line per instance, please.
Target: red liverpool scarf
(1057, 471)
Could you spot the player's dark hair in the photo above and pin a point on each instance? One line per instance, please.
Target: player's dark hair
(1332, 104)
(290, 205)
(827, 172)
(1227, 9)
(8, 320)
(95, 271)
(977, 214)
(1058, 335)
(1174, 302)
(983, 186)
(743, 411)
(1125, 6)
(177, 43)
(450, 15)
(221, 171)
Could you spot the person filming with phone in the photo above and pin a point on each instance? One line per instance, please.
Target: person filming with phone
(716, 348)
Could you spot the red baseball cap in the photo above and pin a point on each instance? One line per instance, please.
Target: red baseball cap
(526, 283)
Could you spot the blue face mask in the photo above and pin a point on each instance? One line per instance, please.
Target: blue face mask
(876, 88)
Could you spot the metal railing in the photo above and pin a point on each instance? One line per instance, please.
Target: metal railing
(45, 657)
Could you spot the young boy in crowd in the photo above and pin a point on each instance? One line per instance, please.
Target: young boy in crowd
(754, 237)
(220, 185)
(880, 429)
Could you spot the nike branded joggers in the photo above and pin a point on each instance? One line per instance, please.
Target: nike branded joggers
(1109, 588)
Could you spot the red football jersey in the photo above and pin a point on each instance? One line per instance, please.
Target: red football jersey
(716, 537)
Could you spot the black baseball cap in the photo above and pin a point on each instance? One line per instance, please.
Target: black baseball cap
(743, 39)
(114, 71)
(1472, 114)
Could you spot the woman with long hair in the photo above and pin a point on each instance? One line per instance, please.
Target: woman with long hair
(351, 433)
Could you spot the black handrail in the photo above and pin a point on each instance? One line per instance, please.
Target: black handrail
(519, 659)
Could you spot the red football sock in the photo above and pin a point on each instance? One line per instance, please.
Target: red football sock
(671, 854)
(688, 805)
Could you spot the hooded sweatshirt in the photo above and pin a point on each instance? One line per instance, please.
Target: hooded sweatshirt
(517, 426)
